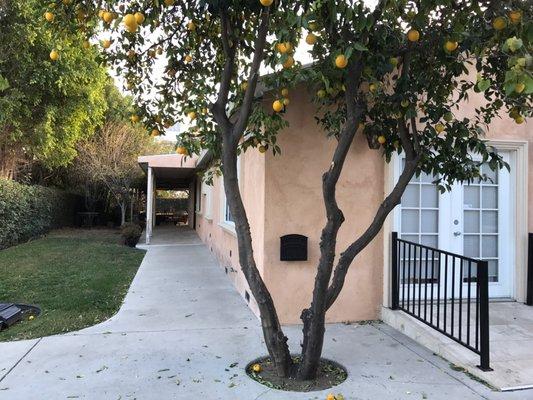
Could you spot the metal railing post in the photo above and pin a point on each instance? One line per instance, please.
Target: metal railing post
(483, 294)
(395, 281)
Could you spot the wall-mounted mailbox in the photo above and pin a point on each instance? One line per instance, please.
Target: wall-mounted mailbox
(293, 248)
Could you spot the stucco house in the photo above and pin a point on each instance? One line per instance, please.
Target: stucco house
(282, 195)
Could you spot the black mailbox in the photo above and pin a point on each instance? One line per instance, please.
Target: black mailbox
(293, 248)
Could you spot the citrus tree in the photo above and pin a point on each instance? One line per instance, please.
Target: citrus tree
(394, 72)
(45, 106)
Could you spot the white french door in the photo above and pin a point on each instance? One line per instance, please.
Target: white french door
(474, 220)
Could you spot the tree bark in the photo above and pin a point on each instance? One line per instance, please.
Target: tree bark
(275, 340)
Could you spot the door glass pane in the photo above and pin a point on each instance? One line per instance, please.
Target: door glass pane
(410, 221)
(471, 222)
(489, 246)
(471, 247)
(489, 221)
(430, 240)
(430, 196)
(411, 196)
(471, 197)
(492, 175)
(490, 197)
(430, 221)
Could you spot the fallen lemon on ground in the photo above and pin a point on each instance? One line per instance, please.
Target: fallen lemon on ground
(256, 368)
(277, 106)
(31, 317)
(413, 35)
(134, 118)
(341, 61)
(49, 16)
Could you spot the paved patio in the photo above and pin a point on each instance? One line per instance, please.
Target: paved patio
(183, 327)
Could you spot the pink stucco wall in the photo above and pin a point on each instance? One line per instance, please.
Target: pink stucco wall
(283, 195)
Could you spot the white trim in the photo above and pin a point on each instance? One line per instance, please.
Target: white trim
(519, 157)
(228, 227)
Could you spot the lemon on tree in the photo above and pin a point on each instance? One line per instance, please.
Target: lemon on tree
(285, 92)
(519, 87)
(289, 62)
(515, 17)
(181, 150)
(266, 3)
(130, 22)
(108, 16)
(413, 35)
(277, 106)
(450, 45)
(341, 61)
(440, 128)
(106, 43)
(191, 26)
(382, 139)
(499, 23)
(311, 38)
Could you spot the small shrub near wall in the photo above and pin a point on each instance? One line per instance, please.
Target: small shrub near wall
(29, 211)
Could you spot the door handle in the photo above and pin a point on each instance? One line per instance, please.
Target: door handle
(457, 233)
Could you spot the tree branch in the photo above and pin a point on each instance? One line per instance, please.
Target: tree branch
(253, 77)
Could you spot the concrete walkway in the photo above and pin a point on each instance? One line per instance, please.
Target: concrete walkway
(183, 332)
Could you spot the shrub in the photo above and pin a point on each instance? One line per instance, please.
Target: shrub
(131, 233)
(29, 211)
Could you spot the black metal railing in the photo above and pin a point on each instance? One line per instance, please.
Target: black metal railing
(529, 298)
(447, 291)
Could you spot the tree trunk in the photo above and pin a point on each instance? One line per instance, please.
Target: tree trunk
(275, 340)
(122, 205)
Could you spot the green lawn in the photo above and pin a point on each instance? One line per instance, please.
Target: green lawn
(77, 277)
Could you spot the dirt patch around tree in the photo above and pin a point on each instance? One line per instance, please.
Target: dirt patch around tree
(330, 374)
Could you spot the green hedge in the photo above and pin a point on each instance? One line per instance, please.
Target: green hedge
(29, 211)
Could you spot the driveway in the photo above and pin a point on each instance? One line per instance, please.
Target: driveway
(184, 332)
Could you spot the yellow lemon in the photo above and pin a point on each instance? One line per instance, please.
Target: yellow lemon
(413, 35)
(154, 133)
(192, 115)
(285, 92)
(381, 139)
(130, 22)
(330, 396)
(244, 85)
(49, 16)
(139, 17)
(108, 16)
(289, 62)
(282, 48)
(188, 58)
(286, 101)
(106, 43)
(86, 44)
(191, 26)
(256, 368)
(311, 38)
(266, 3)
(451, 46)
(31, 317)
(519, 87)
(440, 128)
(515, 16)
(313, 26)
(321, 93)
(54, 55)
(181, 150)
(277, 106)
(519, 119)
(372, 87)
(499, 23)
(341, 61)
(169, 2)
(134, 118)
(262, 149)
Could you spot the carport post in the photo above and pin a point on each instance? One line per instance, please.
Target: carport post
(149, 204)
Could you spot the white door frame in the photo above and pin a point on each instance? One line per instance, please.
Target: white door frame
(518, 150)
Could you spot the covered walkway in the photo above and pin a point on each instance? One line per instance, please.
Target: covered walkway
(183, 332)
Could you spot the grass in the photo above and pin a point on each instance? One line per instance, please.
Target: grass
(78, 278)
